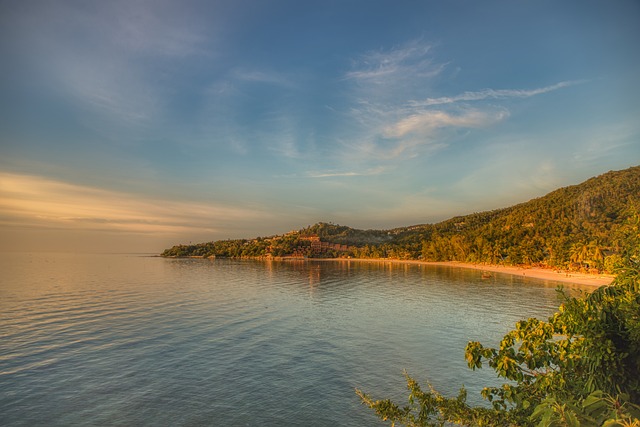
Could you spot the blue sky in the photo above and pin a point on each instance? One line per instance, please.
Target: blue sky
(135, 125)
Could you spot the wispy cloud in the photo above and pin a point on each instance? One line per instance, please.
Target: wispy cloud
(33, 201)
(381, 83)
(410, 59)
(107, 86)
(492, 94)
(109, 58)
(394, 121)
(286, 146)
(426, 122)
(334, 174)
(167, 29)
(251, 110)
(281, 135)
(262, 76)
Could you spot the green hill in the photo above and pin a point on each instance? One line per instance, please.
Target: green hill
(572, 227)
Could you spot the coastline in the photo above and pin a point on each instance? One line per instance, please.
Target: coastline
(594, 280)
(586, 279)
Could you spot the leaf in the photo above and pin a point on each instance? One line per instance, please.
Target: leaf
(541, 410)
(571, 419)
(594, 403)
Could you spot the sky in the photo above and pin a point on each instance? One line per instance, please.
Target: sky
(131, 126)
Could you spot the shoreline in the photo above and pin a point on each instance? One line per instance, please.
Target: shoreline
(557, 275)
(586, 279)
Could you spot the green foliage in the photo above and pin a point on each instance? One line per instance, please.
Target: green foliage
(333, 233)
(572, 227)
(597, 409)
(575, 227)
(581, 367)
(241, 248)
(433, 409)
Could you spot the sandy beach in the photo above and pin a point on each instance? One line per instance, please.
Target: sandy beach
(533, 272)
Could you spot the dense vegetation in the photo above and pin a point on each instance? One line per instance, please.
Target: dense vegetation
(573, 227)
(579, 368)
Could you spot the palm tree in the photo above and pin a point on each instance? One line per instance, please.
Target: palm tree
(596, 251)
(579, 253)
(597, 256)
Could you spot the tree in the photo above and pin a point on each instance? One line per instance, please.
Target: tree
(579, 253)
(581, 367)
(596, 253)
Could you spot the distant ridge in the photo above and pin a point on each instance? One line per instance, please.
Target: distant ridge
(574, 227)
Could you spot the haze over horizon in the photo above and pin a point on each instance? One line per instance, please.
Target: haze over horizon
(133, 126)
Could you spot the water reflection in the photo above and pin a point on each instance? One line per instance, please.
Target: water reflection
(143, 341)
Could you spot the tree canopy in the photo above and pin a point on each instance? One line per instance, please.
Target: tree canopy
(570, 228)
(581, 367)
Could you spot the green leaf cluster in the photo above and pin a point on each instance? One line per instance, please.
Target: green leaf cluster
(240, 248)
(581, 367)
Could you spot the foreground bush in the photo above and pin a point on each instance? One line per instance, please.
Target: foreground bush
(581, 367)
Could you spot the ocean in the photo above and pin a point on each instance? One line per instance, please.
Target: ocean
(133, 340)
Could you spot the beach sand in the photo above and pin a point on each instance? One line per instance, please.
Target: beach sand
(533, 272)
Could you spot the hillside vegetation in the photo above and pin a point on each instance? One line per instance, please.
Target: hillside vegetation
(574, 227)
(579, 368)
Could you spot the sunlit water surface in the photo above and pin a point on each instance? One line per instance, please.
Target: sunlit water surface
(129, 340)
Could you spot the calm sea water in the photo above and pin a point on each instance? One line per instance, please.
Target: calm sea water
(128, 340)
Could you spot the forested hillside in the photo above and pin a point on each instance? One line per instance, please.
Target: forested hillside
(573, 227)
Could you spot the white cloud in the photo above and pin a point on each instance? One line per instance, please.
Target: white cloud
(491, 94)
(426, 122)
(392, 122)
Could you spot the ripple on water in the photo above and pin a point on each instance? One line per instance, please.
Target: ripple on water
(121, 340)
